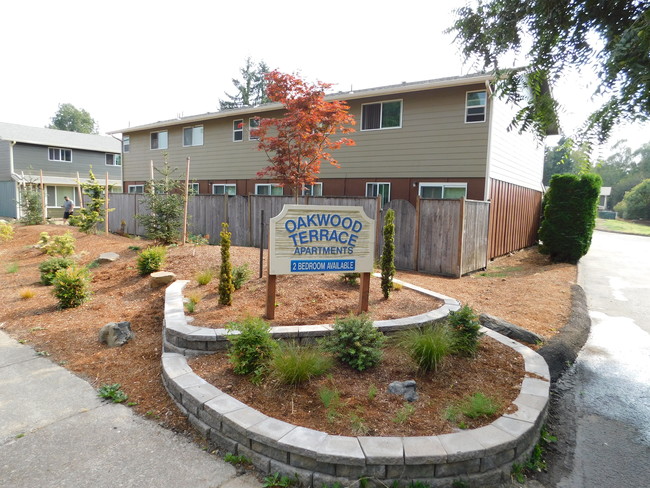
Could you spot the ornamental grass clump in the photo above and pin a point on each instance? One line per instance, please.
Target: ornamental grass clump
(151, 259)
(251, 347)
(293, 364)
(72, 286)
(355, 342)
(427, 345)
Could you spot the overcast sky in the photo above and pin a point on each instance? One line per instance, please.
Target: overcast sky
(132, 62)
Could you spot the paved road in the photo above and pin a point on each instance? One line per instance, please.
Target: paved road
(608, 390)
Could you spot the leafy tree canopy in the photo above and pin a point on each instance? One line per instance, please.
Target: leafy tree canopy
(566, 157)
(251, 89)
(624, 169)
(72, 119)
(610, 36)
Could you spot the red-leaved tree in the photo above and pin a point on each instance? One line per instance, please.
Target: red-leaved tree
(302, 138)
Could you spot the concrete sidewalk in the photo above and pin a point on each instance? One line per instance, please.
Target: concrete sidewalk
(55, 431)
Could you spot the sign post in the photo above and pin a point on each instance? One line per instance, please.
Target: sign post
(320, 239)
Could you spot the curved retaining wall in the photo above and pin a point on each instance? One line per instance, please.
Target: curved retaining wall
(481, 457)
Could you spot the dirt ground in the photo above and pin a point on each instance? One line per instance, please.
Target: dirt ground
(523, 288)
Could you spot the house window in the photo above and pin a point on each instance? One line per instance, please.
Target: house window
(315, 190)
(448, 191)
(253, 123)
(193, 136)
(382, 115)
(126, 143)
(135, 189)
(54, 195)
(238, 130)
(219, 189)
(193, 188)
(159, 140)
(475, 105)
(268, 189)
(113, 160)
(379, 189)
(58, 154)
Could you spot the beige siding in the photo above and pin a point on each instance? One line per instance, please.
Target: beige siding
(433, 142)
(514, 158)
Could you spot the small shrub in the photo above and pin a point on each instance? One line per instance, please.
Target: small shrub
(277, 481)
(72, 286)
(12, 268)
(151, 259)
(49, 268)
(466, 327)
(293, 364)
(204, 277)
(372, 392)
(27, 293)
(30, 204)
(355, 342)
(236, 460)
(226, 286)
(350, 279)
(113, 393)
(240, 275)
(251, 348)
(193, 300)
(6, 232)
(358, 423)
(62, 245)
(198, 240)
(427, 345)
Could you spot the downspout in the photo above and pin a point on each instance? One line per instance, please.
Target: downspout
(488, 158)
(11, 173)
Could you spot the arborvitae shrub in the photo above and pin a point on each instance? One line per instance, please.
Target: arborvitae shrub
(466, 328)
(570, 210)
(388, 254)
(151, 259)
(226, 286)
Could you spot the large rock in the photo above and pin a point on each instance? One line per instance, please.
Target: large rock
(509, 330)
(405, 389)
(116, 333)
(107, 257)
(162, 278)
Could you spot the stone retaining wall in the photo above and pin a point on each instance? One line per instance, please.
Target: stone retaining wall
(481, 457)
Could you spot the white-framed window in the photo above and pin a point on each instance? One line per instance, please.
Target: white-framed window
(448, 191)
(193, 136)
(59, 154)
(113, 159)
(268, 189)
(315, 190)
(475, 106)
(381, 115)
(193, 188)
(238, 130)
(375, 189)
(55, 195)
(224, 189)
(126, 143)
(253, 123)
(135, 189)
(159, 140)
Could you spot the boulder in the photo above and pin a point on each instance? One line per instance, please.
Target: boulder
(116, 333)
(107, 257)
(509, 330)
(162, 278)
(405, 389)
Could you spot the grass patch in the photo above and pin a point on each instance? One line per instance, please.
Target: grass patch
(472, 407)
(12, 268)
(623, 226)
(404, 413)
(501, 272)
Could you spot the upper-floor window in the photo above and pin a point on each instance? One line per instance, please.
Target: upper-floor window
(268, 189)
(315, 190)
(159, 140)
(225, 189)
(381, 115)
(135, 189)
(113, 160)
(193, 136)
(449, 191)
(59, 154)
(379, 189)
(238, 130)
(126, 143)
(475, 104)
(253, 123)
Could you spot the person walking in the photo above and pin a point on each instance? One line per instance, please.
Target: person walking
(68, 209)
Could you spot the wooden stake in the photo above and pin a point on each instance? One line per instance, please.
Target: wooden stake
(43, 208)
(187, 184)
(364, 292)
(79, 192)
(270, 296)
(106, 206)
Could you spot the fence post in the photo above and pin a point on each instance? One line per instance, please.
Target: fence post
(43, 207)
(262, 244)
(106, 206)
(461, 227)
(416, 237)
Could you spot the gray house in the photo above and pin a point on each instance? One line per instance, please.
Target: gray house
(61, 155)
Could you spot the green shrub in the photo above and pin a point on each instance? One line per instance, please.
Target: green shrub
(251, 346)
(49, 268)
(112, 392)
(226, 286)
(86, 218)
(151, 259)
(636, 202)
(350, 279)
(388, 254)
(30, 204)
(204, 277)
(240, 275)
(293, 364)
(355, 342)
(198, 240)
(62, 245)
(427, 345)
(570, 209)
(72, 286)
(6, 232)
(466, 328)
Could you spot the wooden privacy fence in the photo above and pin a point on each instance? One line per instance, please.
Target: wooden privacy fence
(442, 237)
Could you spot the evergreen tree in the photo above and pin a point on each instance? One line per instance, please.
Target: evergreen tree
(388, 254)
(226, 286)
(251, 89)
